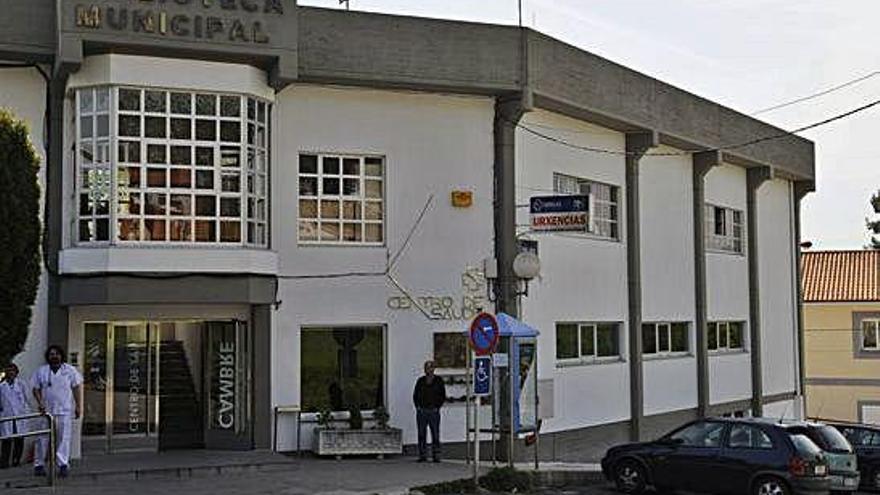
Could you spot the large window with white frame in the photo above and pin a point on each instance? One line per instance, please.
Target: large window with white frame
(602, 217)
(871, 335)
(587, 342)
(665, 338)
(725, 336)
(341, 199)
(724, 229)
(171, 167)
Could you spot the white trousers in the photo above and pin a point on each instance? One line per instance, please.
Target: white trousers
(63, 432)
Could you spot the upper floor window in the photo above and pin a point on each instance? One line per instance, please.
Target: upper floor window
(603, 203)
(725, 335)
(587, 341)
(665, 338)
(724, 229)
(157, 166)
(871, 335)
(341, 199)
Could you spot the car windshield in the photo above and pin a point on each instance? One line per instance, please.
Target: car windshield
(804, 446)
(832, 439)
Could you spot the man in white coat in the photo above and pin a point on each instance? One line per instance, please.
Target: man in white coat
(13, 402)
(58, 390)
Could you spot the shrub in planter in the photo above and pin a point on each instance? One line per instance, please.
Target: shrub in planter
(507, 479)
(380, 414)
(355, 419)
(325, 419)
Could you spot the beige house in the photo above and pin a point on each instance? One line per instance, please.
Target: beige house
(841, 320)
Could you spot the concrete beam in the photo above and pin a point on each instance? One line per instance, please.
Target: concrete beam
(755, 177)
(637, 144)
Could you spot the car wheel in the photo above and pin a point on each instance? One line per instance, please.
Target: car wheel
(630, 476)
(770, 486)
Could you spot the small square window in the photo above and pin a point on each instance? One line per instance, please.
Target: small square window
(129, 100)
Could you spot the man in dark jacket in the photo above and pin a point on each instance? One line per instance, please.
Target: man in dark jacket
(429, 395)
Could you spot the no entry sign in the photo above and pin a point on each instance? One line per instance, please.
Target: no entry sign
(484, 334)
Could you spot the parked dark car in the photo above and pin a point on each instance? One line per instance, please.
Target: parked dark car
(842, 463)
(721, 455)
(865, 439)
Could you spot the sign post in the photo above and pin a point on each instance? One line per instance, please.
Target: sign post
(483, 338)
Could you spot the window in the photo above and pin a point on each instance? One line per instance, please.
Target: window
(665, 338)
(748, 437)
(700, 434)
(450, 350)
(587, 341)
(870, 341)
(341, 368)
(341, 199)
(724, 229)
(725, 335)
(157, 166)
(602, 200)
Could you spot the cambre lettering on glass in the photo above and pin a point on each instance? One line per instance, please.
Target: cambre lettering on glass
(226, 385)
(204, 19)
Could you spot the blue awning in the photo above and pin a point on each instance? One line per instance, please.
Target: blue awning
(511, 327)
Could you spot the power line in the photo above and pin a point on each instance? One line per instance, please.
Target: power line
(817, 95)
(772, 137)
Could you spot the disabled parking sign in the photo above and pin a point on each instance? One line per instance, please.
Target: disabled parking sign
(482, 375)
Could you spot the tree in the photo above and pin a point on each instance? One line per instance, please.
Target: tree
(19, 234)
(874, 225)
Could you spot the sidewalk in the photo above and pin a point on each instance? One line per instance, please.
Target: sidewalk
(257, 473)
(202, 472)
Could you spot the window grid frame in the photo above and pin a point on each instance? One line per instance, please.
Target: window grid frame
(115, 165)
(728, 326)
(732, 241)
(668, 326)
(594, 357)
(319, 197)
(862, 331)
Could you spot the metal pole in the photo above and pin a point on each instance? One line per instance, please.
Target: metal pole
(52, 440)
(519, 9)
(511, 399)
(476, 439)
(467, 414)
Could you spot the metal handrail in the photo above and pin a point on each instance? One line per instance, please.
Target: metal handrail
(50, 431)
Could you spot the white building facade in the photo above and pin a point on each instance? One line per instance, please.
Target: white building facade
(275, 205)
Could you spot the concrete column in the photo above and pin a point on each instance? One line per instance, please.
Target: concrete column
(637, 144)
(702, 164)
(508, 113)
(261, 332)
(57, 317)
(756, 177)
(801, 189)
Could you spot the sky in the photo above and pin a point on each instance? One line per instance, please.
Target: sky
(745, 54)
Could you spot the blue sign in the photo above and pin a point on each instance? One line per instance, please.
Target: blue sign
(484, 334)
(482, 375)
(559, 204)
(559, 213)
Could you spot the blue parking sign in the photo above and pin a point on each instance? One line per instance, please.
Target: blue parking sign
(482, 375)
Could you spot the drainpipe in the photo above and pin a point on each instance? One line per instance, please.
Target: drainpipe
(703, 162)
(755, 177)
(637, 144)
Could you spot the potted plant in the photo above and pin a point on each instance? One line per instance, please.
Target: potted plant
(356, 439)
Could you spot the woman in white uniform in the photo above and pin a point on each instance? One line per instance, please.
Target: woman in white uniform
(13, 402)
(58, 390)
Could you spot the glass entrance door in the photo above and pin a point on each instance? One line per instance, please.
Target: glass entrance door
(121, 363)
(167, 385)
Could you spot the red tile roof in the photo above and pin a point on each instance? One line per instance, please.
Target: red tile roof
(839, 276)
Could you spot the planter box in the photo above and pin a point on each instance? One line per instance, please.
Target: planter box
(358, 442)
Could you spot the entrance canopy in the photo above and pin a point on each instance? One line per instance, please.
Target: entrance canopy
(511, 327)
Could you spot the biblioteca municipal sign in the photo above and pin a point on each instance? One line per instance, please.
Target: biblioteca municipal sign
(221, 20)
